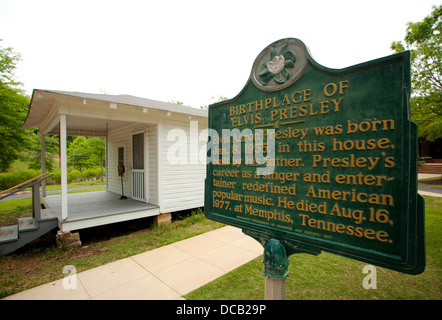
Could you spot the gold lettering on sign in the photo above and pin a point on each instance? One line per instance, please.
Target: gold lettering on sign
(331, 174)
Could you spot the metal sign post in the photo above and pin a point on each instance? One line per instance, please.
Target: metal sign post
(275, 270)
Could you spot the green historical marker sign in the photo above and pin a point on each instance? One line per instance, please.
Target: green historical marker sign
(320, 159)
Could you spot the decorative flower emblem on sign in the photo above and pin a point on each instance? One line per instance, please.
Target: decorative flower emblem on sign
(276, 67)
(279, 65)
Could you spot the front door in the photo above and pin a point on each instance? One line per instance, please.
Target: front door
(138, 192)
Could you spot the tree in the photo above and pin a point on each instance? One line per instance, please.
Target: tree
(86, 152)
(424, 40)
(13, 110)
(177, 102)
(214, 100)
(33, 154)
(8, 63)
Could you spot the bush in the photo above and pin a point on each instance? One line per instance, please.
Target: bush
(55, 179)
(76, 176)
(13, 178)
(93, 174)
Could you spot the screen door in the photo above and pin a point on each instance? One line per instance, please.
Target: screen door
(138, 166)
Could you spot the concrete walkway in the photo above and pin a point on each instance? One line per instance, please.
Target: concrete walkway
(165, 273)
(430, 191)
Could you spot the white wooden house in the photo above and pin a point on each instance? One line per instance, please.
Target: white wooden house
(161, 145)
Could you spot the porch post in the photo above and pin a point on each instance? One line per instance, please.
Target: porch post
(43, 164)
(160, 161)
(63, 168)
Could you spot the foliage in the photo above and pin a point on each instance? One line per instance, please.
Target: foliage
(13, 110)
(75, 175)
(424, 41)
(13, 106)
(86, 152)
(33, 154)
(181, 103)
(8, 63)
(214, 100)
(13, 178)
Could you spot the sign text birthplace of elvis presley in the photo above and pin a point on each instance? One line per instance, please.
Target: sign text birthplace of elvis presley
(320, 159)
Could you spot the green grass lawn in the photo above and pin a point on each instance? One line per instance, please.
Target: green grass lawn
(329, 276)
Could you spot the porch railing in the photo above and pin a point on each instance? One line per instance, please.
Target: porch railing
(138, 184)
(29, 228)
(35, 184)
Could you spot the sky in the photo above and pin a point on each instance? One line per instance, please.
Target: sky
(188, 50)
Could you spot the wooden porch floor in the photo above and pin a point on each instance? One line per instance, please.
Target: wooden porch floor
(97, 208)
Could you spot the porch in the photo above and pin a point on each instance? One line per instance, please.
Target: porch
(136, 132)
(97, 208)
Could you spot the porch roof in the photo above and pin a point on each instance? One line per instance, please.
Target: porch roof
(47, 104)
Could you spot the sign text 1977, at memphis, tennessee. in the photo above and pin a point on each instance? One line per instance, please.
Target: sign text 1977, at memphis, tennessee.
(320, 158)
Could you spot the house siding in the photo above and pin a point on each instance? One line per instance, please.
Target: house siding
(182, 184)
(172, 186)
(119, 138)
(122, 137)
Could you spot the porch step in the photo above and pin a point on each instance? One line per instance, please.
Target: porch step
(27, 224)
(27, 230)
(8, 234)
(433, 168)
